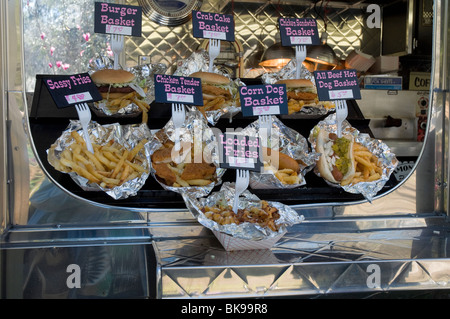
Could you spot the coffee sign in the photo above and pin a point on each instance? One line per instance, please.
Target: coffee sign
(238, 151)
(298, 31)
(269, 99)
(67, 90)
(337, 85)
(119, 19)
(178, 89)
(213, 25)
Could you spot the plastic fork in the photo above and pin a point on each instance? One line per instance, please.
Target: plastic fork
(265, 126)
(84, 114)
(242, 180)
(178, 118)
(300, 56)
(117, 48)
(341, 115)
(214, 50)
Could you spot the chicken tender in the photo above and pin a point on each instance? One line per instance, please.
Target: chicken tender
(163, 171)
(197, 171)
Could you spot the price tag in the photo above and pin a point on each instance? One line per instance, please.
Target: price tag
(238, 151)
(213, 25)
(298, 31)
(269, 99)
(120, 19)
(337, 85)
(67, 90)
(178, 89)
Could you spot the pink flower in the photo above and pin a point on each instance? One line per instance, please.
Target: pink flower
(58, 64)
(42, 35)
(52, 49)
(66, 66)
(81, 53)
(50, 65)
(78, 27)
(86, 36)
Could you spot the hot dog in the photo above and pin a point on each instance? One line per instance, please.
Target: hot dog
(336, 163)
(284, 161)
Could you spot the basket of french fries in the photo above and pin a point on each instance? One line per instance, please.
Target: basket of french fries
(193, 166)
(286, 156)
(355, 162)
(119, 165)
(258, 224)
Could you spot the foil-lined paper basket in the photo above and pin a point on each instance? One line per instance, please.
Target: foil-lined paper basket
(388, 160)
(144, 77)
(199, 62)
(246, 235)
(284, 140)
(195, 130)
(126, 135)
(318, 109)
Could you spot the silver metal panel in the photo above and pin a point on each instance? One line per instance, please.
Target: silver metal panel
(256, 28)
(4, 218)
(315, 258)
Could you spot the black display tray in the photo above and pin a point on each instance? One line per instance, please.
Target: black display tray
(47, 123)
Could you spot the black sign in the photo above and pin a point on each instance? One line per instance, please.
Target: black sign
(113, 18)
(67, 90)
(213, 25)
(337, 85)
(298, 31)
(238, 151)
(178, 89)
(268, 99)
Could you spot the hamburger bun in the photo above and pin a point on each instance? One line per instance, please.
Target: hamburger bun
(112, 84)
(211, 78)
(301, 90)
(111, 76)
(216, 91)
(296, 83)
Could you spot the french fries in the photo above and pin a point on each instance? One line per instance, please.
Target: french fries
(109, 166)
(116, 104)
(285, 176)
(367, 165)
(294, 106)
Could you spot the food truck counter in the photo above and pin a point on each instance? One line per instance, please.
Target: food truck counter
(62, 240)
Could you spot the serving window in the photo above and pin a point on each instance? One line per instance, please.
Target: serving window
(397, 115)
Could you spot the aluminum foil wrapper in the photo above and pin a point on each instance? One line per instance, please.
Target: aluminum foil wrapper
(144, 77)
(126, 135)
(377, 147)
(286, 141)
(289, 72)
(199, 62)
(194, 130)
(247, 230)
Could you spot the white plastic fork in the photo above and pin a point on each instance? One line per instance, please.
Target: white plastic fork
(300, 56)
(341, 115)
(117, 48)
(178, 118)
(242, 180)
(265, 126)
(84, 114)
(214, 51)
